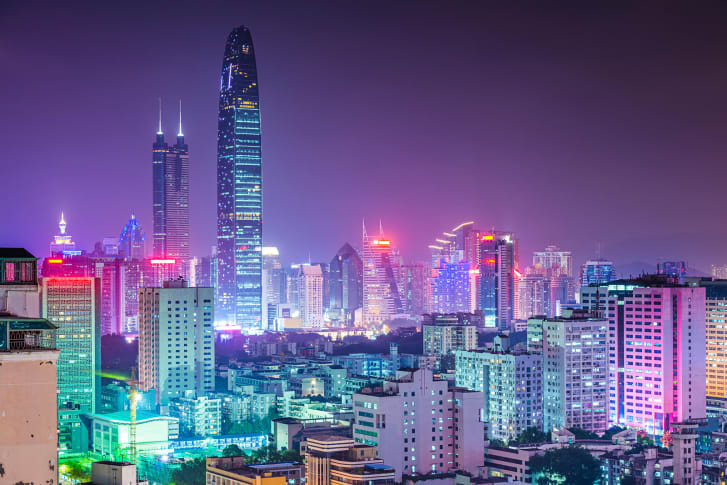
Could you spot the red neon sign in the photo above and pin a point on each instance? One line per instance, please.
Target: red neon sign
(55, 261)
(163, 261)
(488, 237)
(382, 242)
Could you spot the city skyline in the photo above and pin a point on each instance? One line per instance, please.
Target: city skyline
(504, 124)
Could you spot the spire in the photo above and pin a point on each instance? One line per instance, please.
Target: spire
(62, 224)
(381, 229)
(180, 118)
(160, 132)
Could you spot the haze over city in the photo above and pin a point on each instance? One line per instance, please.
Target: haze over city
(568, 124)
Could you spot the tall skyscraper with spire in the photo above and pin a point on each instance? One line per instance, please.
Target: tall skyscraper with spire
(62, 242)
(170, 173)
(132, 239)
(239, 186)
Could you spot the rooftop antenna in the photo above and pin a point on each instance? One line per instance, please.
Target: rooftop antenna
(160, 132)
(180, 118)
(381, 229)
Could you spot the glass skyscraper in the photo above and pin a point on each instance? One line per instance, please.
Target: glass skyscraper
(170, 172)
(239, 186)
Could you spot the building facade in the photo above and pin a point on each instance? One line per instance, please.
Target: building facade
(420, 426)
(176, 340)
(239, 186)
(170, 202)
(132, 241)
(445, 333)
(381, 298)
(346, 284)
(656, 347)
(575, 370)
(73, 305)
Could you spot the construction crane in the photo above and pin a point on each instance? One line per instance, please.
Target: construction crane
(133, 382)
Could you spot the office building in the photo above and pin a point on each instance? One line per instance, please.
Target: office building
(554, 262)
(28, 372)
(62, 242)
(534, 296)
(346, 284)
(176, 340)
(310, 295)
(512, 384)
(498, 253)
(232, 470)
(656, 346)
(170, 209)
(73, 305)
(272, 286)
(453, 287)
(415, 290)
(575, 369)
(420, 426)
(381, 298)
(445, 333)
(335, 460)
(596, 272)
(239, 186)
(132, 241)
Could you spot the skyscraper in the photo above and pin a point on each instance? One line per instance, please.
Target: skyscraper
(62, 242)
(381, 299)
(170, 180)
(132, 239)
(498, 261)
(346, 285)
(554, 261)
(310, 295)
(239, 185)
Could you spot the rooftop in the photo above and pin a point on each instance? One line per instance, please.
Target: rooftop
(15, 253)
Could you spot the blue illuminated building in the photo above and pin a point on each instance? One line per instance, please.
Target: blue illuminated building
(239, 186)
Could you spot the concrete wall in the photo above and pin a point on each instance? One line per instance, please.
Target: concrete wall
(28, 417)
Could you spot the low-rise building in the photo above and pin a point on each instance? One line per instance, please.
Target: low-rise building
(111, 434)
(232, 470)
(336, 460)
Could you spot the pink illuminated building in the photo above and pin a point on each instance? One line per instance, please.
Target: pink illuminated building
(656, 345)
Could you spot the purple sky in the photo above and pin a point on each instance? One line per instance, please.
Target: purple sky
(567, 125)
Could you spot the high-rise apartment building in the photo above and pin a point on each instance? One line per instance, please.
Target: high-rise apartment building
(239, 186)
(381, 298)
(73, 305)
(421, 426)
(132, 241)
(332, 460)
(512, 384)
(176, 340)
(28, 372)
(575, 369)
(445, 333)
(170, 181)
(498, 255)
(656, 347)
(534, 296)
(346, 284)
(310, 295)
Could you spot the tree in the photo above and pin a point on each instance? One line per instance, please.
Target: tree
(191, 472)
(232, 450)
(628, 480)
(610, 432)
(573, 465)
(532, 435)
(582, 434)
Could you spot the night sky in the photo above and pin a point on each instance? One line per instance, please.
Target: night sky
(570, 125)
